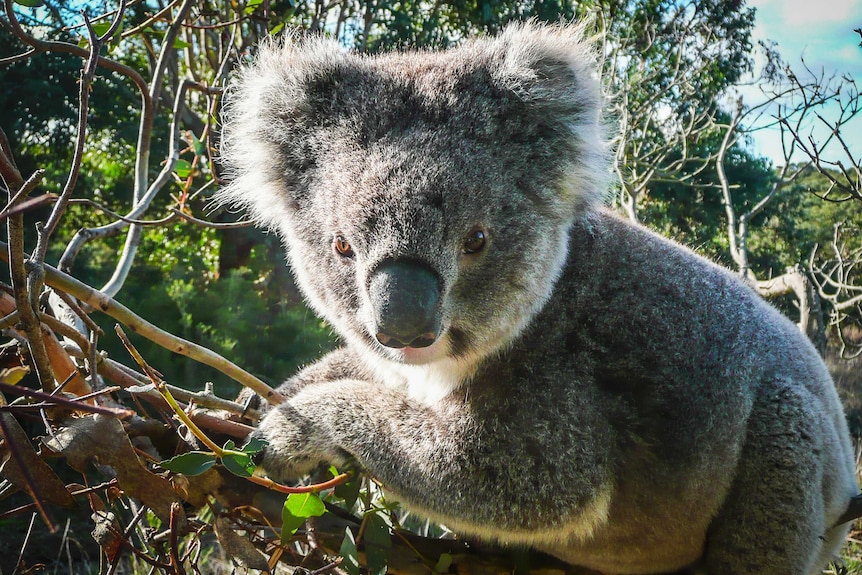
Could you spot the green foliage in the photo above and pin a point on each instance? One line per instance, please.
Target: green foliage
(693, 213)
(190, 463)
(443, 563)
(349, 490)
(349, 553)
(243, 315)
(297, 508)
(378, 543)
(236, 460)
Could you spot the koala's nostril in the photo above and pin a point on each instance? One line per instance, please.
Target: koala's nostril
(389, 341)
(424, 340)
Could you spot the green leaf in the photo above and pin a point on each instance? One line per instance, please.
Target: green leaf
(349, 553)
(100, 28)
(349, 491)
(238, 464)
(297, 508)
(29, 3)
(181, 44)
(199, 147)
(443, 563)
(191, 463)
(183, 168)
(252, 6)
(255, 445)
(378, 544)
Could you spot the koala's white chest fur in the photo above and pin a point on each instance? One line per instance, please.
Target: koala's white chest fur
(426, 384)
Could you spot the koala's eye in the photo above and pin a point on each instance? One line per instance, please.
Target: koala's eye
(343, 247)
(474, 242)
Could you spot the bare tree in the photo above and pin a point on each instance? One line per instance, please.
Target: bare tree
(788, 102)
(837, 280)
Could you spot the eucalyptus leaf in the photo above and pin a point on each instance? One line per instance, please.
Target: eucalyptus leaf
(191, 463)
(349, 491)
(100, 28)
(349, 553)
(297, 508)
(183, 168)
(238, 464)
(378, 544)
(199, 147)
(255, 445)
(443, 563)
(252, 6)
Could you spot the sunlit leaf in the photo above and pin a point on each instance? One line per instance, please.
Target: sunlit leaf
(297, 508)
(199, 147)
(183, 168)
(100, 28)
(12, 375)
(252, 6)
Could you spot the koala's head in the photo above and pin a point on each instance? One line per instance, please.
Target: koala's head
(424, 198)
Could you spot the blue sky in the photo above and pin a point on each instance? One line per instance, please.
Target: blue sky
(821, 32)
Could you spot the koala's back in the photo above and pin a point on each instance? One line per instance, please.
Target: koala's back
(684, 395)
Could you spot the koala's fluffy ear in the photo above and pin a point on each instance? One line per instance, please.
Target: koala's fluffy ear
(269, 107)
(552, 70)
(552, 67)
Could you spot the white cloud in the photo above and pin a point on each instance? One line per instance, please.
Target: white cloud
(804, 13)
(821, 30)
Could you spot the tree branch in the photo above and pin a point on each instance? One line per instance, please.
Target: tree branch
(124, 315)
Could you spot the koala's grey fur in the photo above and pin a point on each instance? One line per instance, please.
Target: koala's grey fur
(592, 390)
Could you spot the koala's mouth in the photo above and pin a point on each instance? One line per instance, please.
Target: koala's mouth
(427, 354)
(411, 355)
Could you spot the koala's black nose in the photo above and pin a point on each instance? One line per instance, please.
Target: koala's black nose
(406, 300)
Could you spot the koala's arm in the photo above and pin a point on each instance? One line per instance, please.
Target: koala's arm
(337, 364)
(341, 363)
(440, 461)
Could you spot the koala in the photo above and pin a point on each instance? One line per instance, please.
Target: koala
(519, 363)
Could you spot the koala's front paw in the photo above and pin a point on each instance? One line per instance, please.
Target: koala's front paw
(295, 445)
